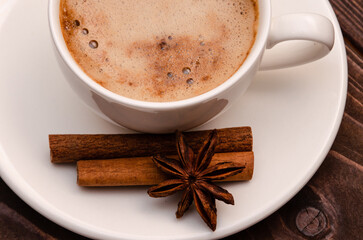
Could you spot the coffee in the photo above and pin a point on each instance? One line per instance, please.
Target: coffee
(164, 50)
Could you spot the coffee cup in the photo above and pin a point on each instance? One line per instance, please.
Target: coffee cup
(316, 35)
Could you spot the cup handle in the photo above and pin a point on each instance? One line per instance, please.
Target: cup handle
(316, 29)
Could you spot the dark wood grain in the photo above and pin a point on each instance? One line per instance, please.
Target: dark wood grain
(350, 17)
(328, 207)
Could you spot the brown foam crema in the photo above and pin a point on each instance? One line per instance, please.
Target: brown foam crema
(159, 50)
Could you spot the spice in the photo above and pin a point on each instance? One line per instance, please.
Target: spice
(66, 148)
(141, 171)
(192, 174)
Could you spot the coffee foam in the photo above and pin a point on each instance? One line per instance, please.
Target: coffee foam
(163, 50)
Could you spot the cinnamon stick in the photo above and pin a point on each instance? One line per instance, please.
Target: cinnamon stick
(74, 147)
(142, 170)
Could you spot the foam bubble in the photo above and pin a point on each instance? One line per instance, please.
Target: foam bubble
(76, 23)
(93, 44)
(186, 70)
(163, 45)
(190, 81)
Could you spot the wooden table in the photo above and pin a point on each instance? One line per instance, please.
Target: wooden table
(330, 206)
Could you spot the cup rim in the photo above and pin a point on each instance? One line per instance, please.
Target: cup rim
(258, 46)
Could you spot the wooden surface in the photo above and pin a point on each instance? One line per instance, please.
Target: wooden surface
(330, 206)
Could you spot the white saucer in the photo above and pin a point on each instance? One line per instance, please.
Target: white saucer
(294, 113)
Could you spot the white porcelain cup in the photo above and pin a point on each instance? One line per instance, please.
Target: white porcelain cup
(162, 117)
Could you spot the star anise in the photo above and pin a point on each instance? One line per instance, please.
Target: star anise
(193, 174)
